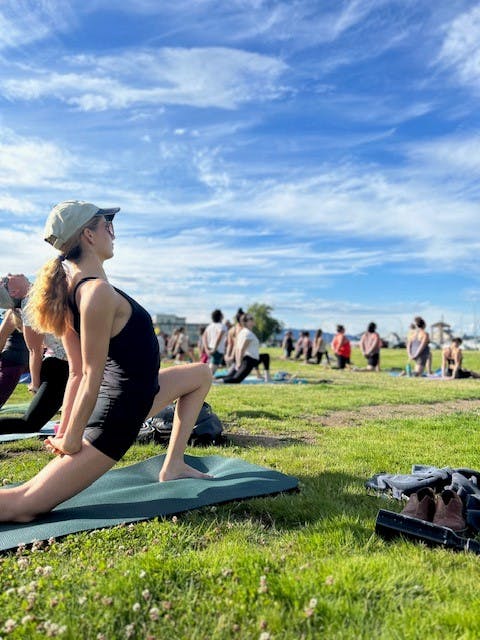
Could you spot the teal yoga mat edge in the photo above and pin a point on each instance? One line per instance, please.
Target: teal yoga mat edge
(235, 480)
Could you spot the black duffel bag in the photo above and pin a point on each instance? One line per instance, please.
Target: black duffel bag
(207, 430)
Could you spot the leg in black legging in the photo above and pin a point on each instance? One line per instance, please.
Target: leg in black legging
(9, 376)
(47, 400)
(265, 360)
(240, 374)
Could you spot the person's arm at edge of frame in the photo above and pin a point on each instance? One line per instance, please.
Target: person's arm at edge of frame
(97, 310)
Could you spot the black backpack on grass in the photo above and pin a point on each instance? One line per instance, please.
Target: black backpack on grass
(207, 430)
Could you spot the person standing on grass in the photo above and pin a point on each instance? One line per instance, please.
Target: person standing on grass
(370, 345)
(114, 382)
(341, 347)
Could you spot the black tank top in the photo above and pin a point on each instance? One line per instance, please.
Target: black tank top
(133, 355)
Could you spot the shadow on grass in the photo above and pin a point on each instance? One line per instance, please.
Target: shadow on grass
(247, 440)
(329, 501)
(258, 414)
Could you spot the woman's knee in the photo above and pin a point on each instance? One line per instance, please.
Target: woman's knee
(205, 374)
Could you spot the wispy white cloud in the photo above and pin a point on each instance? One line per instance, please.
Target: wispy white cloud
(460, 51)
(206, 77)
(30, 161)
(23, 22)
(458, 154)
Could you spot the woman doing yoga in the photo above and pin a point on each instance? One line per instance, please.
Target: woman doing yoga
(114, 380)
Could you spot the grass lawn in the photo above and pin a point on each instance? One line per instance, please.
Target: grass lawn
(304, 565)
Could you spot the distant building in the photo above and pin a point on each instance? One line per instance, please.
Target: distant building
(168, 322)
(440, 332)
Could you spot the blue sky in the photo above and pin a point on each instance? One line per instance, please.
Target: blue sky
(321, 157)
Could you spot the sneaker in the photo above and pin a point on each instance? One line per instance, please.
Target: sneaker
(421, 505)
(449, 511)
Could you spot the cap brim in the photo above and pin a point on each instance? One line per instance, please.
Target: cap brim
(108, 212)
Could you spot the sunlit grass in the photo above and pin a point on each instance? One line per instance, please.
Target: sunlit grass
(303, 565)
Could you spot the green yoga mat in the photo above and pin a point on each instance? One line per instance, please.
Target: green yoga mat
(20, 407)
(133, 493)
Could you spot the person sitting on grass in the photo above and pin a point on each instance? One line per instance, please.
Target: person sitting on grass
(341, 347)
(287, 345)
(452, 358)
(418, 347)
(215, 339)
(319, 348)
(247, 356)
(13, 352)
(114, 382)
(370, 344)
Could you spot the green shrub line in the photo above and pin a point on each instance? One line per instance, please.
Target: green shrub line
(297, 565)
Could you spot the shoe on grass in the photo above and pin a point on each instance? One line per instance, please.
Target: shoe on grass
(449, 511)
(421, 505)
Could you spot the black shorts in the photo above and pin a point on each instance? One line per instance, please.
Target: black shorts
(373, 359)
(217, 358)
(342, 361)
(117, 418)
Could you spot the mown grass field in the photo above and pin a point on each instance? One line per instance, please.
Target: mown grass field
(303, 565)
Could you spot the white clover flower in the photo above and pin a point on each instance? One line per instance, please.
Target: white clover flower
(142, 574)
(136, 607)
(146, 594)
(9, 625)
(154, 614)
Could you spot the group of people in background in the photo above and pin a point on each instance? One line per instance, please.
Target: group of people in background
(313, 351)
(221, 344)
(233, 347)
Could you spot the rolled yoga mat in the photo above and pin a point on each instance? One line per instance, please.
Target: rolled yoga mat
(133, 493)
(19, 407)
(46, 430)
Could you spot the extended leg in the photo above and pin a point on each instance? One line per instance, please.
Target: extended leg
(62, 478)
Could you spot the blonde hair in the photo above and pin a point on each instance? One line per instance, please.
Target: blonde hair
(47, 305)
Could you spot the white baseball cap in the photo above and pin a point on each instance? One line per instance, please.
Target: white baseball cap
(66, 218)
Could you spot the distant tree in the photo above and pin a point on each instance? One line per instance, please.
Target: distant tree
(265, 324)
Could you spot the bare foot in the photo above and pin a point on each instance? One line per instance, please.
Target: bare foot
(180, 471)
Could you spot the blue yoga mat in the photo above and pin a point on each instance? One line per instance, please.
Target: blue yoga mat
(133, 493)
